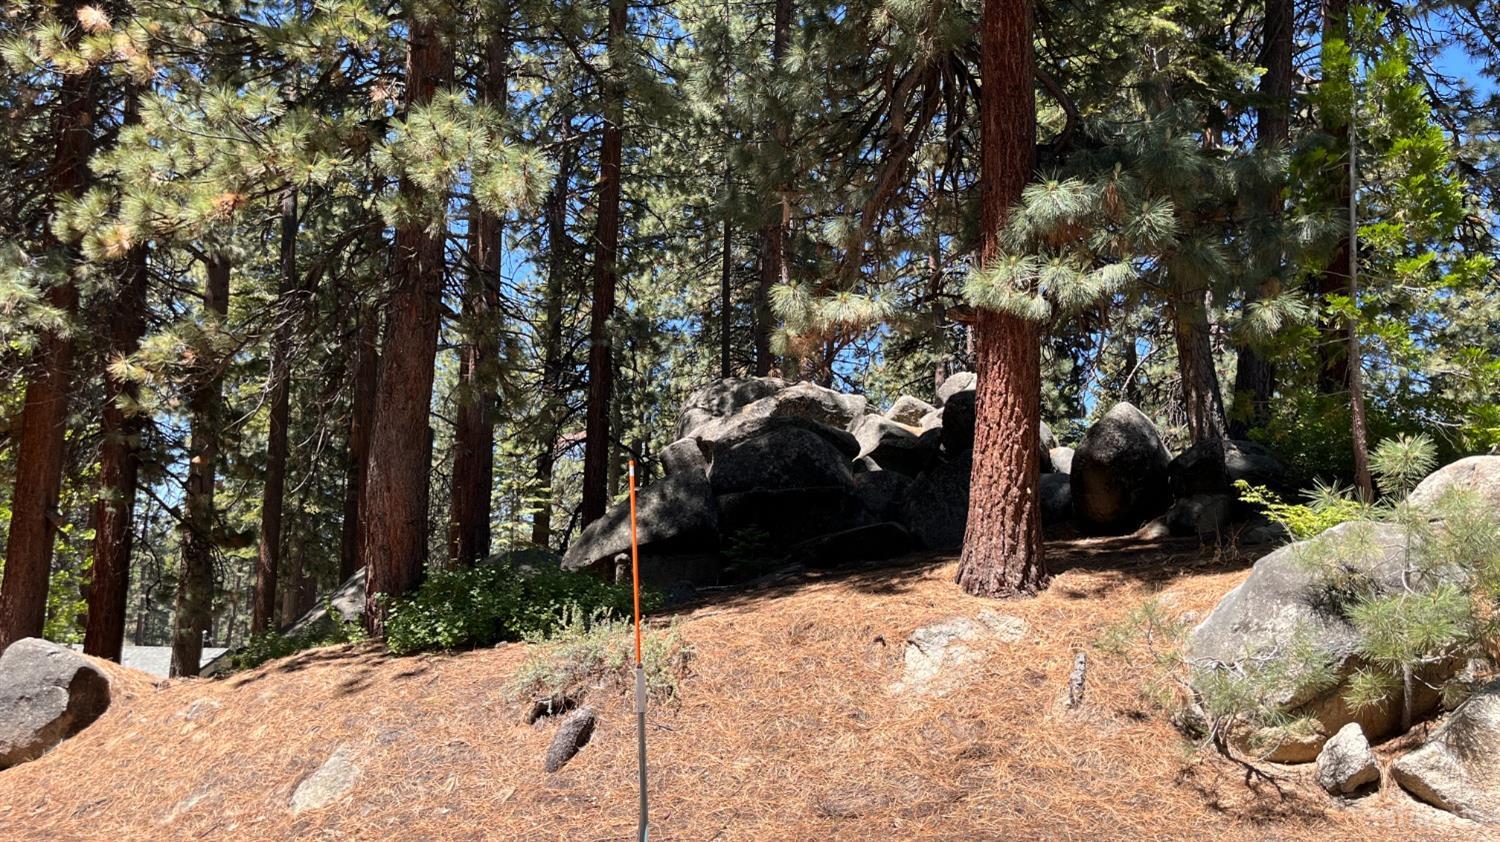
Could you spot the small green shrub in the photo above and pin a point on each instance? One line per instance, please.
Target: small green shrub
(1326, 507)
(268, 646)
(585, 652)
(486, 604)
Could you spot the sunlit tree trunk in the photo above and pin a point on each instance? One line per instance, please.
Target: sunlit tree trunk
(396, 490)
(44, 412)
(1002, 553)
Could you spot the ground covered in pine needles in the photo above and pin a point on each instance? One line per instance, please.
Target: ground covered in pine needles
(786, 726)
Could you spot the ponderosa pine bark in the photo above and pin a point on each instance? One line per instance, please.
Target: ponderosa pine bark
(474, 427)
(361, 407)
(1254, 374)
(596, 445)
(193, 607)
(1002, 553)
(773, 269)
(268, 555)
(396, 491)
(120, 429)
(39, 444)
(1202, 403)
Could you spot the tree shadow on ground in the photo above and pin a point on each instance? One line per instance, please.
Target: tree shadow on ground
(1125, 559)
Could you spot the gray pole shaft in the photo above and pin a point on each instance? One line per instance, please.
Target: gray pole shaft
(642, 832)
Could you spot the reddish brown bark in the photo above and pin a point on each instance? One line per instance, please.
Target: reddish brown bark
(474, 429)
(362, 405)
(1202, 404)
(268, 556)
(119, 465)
(596, 446)
(1002, 553)
(1333, 370)
(44, 413)
(395, 504)
(193, 608)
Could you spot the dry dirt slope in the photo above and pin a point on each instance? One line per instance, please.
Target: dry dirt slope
(786, 729)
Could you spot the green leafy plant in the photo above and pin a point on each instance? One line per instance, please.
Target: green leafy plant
(486, 604)
(1327, 506)
(271, 645)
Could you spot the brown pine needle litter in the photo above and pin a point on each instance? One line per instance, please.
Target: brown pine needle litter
(785, 727)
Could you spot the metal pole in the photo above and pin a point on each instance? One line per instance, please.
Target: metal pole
(642, 827)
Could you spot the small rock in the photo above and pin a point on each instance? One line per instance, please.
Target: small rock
(1061, 459)
(329, 782)
(572, 735)
(1346, 762)
(48, 693)
(935, 652)
(1458, 769)
(961, 381)
(909, 411)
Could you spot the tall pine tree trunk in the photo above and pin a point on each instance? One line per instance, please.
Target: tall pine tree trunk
(474, 433)
(1333, 368)
(361, 408)
(39, 443)
(1254, 375)
(193, 609)
(268, 556)
(1201, 402)
(395, 516)
(558, 249)
(596, 446)
(1002, 553)
(773, 268)
(121, 426)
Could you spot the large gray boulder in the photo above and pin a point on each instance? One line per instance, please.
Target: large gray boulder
(936, 506)
(48, 693)
(909, 411)
(725, 433)
(893, 446)
(684, 456)
(1214, 466)
(347, 604)
(1458, 769)
(810, 401)
(1478, 475)
(958, 422)
(1057, 499)
(872, 542)
(1200, 515)
(960, 381)
(882, 493)
(723, 398)
(1285, 602)
(789, 515)
(673, 514)
(779, 458)
(1119, 472)
(1049, 440)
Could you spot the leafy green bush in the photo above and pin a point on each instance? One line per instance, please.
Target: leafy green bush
(486, 604)
(268, 646)
(1326, 507)
(591, 651)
